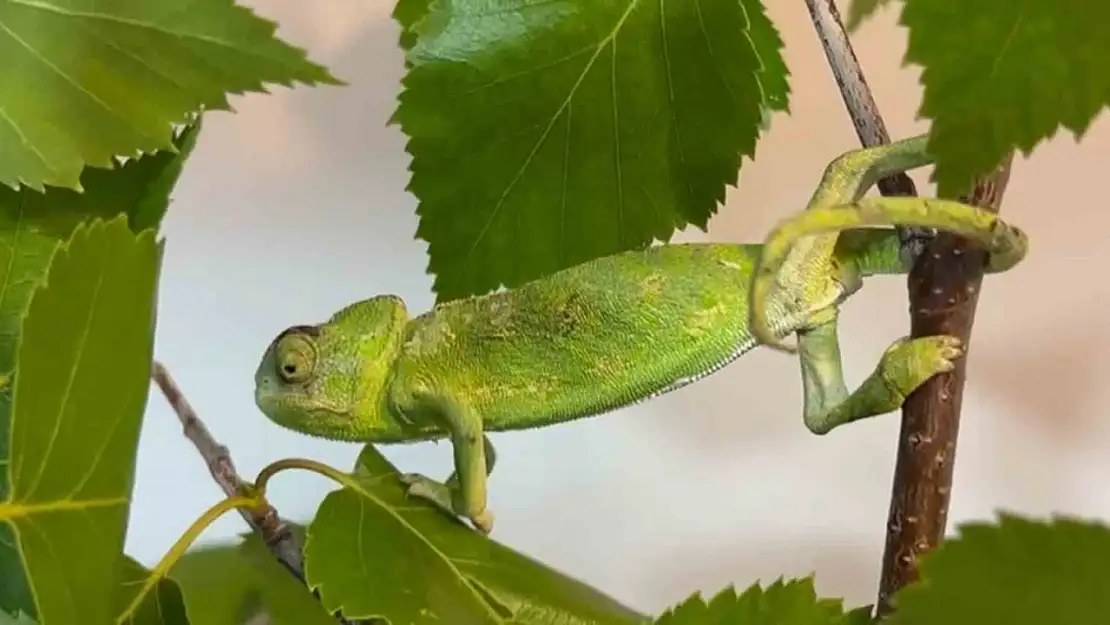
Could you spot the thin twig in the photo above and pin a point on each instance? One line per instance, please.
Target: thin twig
(275, 533)
(863, 111)
(279, 539)
(944, 289)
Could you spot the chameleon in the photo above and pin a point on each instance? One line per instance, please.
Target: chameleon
(623, 329)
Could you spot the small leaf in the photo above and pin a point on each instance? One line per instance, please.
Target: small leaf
(375, 552)
(545, 133)
(407, 14)
(84, 82)
(162, 606)
(227, 584)
(32, 226)
(1001, 75)
(858, 616)
(1017, 572)
(75, 420)
(166, 167)
(860, 10)
(783, 603)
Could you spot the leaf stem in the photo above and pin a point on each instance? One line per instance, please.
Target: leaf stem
(182, 545)
(272, 469)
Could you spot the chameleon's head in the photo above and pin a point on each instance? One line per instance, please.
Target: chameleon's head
(328, 380)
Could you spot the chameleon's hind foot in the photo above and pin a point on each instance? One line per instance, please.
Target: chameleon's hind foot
(905, 365)
(909, 363)
(446, 498)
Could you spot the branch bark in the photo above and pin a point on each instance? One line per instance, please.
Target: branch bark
(863, 110)
(943, 290)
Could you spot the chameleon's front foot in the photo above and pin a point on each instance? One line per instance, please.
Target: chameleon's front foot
(447, 499)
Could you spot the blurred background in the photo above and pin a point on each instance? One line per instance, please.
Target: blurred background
(296, 206)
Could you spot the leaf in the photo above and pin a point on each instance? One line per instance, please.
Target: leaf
(84, 360)
(408, 13)
(226, 584)
(162, 606)
(545, 133)
(375, 552)
(32, 226)
(166, 166)
(1000, 75)
(860, 10)
(85, 81)
(1018, 571)
(16, 619)
(858, 616)
(783, 603)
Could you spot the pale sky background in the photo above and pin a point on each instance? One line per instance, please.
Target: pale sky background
(296, 206)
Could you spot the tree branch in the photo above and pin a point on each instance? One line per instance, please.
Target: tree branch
(275, 533)
(863, 110)
(277, 536)
(944, 289)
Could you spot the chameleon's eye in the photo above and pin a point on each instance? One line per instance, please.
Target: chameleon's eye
(295, 358)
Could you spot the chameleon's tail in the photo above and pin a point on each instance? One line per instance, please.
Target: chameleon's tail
(1005, 244)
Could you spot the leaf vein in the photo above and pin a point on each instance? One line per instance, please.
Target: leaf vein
(547, 130)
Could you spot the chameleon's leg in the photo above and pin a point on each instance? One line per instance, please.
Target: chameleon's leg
(466, 498)
(904, 366)
(491, 460)
(1005, 244)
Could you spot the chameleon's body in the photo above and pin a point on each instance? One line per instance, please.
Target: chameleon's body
(619, 330)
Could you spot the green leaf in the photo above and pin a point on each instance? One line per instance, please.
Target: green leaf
(1001, 75)
(226, 584)
(408, 13)
(860, 10)
(19, 618)
(84, 82)
(32, 226)
(545, 133)
(1017, 572)
(84, 360)
(783, 603)
(374, 552)
(162, 606)
(858, 616)
(162, 171)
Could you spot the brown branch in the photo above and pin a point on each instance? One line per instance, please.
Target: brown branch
(275, 533)
(863, 110)
(944, 289)
(277, 536)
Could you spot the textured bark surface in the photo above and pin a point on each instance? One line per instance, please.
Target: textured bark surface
(943, 289)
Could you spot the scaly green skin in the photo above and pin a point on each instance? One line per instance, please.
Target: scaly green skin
(620, 330)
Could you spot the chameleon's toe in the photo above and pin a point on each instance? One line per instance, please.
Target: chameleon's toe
(427, 489)
(938, 353)
(443, 497)
(483, 522)
(908, 363)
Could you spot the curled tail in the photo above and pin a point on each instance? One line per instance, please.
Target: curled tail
(1005, 244)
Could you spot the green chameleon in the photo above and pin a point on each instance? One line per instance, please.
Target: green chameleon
(620, 330)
